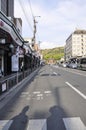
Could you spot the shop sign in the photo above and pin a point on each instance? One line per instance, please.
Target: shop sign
(15, 63)
(3, 87)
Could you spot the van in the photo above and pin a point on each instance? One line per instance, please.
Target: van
(82, 63)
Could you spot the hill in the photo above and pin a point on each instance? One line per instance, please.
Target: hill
(54, 54)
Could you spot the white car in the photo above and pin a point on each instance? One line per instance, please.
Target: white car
(64, 64)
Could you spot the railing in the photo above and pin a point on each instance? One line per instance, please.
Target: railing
(8, 82)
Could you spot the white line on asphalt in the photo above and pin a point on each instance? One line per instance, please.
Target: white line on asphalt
(39, 95)
(38, 124)
(80, 93)
(5, 124)
(74, 123)
(55, 73)
(47, 92)
(36, 92)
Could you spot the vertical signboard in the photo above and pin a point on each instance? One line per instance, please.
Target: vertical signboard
(15, 63)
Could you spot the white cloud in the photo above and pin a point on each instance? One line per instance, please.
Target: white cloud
(57, 24)
(48, 45)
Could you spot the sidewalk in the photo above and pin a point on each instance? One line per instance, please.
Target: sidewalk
(6, 97)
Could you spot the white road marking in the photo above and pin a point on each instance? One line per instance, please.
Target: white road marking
(36, 92)
(55, 73)
(80, 93)
(74, 123)
(5, 124)
(47, 92)
(39, 95)
(38, 124)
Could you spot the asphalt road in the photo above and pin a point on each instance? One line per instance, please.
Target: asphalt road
(56, 95)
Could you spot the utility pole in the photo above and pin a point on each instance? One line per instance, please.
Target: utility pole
(35, 30)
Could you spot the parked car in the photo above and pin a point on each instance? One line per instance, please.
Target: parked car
(65, 64)
(72, 65)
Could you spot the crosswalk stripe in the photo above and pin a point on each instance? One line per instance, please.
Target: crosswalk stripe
(38, 124)
(74, 123)
(5, 124)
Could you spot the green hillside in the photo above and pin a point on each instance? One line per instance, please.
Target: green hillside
(55, 53)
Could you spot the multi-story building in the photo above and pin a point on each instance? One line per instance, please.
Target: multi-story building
(7, 7)
(76, 44)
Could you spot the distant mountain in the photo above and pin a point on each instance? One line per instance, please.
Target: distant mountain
(54, 54)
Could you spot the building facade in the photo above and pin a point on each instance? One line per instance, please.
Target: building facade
(7, 7)
(18, 24)
(76, 44)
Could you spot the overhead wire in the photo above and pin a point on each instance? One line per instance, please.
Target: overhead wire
(25, 15)
(32, 13)
(31, 8)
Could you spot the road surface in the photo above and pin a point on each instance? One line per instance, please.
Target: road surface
(56, 97)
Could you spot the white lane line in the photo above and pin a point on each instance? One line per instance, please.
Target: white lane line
(38, 124)
(80, 93)
(55, 73)
(74, 123)
(36, 92)
(5, 124)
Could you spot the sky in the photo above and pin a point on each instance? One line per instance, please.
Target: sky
(58, 19)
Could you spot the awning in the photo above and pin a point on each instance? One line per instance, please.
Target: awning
(8, 26)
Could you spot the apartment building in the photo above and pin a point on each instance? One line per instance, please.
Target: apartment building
(7, 7)
(76, 44)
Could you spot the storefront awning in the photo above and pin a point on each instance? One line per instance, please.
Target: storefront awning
(8, 26)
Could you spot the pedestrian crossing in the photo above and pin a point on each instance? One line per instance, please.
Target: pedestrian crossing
(74, 123)
(5, 124)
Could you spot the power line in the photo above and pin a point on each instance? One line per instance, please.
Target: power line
(25, 15)
(34, 21)
(31, 8)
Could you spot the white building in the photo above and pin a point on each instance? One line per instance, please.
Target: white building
(76, 44)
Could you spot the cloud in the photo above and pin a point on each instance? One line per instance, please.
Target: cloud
(48, 45)
(57, 21)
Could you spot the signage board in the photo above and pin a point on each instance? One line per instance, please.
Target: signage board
(15, 63)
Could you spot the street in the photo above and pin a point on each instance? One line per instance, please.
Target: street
(55, 95)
